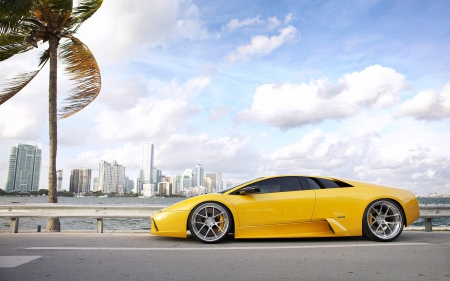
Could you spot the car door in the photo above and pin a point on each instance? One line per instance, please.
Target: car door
(281, 200)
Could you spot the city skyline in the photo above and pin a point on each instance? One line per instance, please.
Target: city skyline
(350, 89)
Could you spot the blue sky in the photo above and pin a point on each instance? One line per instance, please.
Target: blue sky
(353, 89)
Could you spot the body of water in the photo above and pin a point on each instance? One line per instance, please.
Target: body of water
(132, 224)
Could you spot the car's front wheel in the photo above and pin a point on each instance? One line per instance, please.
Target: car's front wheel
(383, 221)
(210, 222)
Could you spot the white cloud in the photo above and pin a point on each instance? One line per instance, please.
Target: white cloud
(121, 94)
(123, 29)
(290, 105)
(235, 24)
(368, 158)
(230, 154)
(149, 119)
(217, 113)
(128, 155)
(262, 45)
(26, 114)
(273, 23)
(189, 89)
(288, 18)
(427, 105)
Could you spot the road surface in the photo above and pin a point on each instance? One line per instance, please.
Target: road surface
(68, 256)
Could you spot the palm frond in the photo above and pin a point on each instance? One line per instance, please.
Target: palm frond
(84, 70)
(61, 10)
(12, 44)
(12, 86)
(84, 10)
(61, 5)
(11, 11)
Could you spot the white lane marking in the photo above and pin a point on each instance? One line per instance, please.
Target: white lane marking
(231, 248)
(13, 261)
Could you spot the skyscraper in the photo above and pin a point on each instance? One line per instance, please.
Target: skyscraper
(219, 181)
(24, 168)
(213, 177)
(129, 185)
(199, 176)
(80, 180)
(146, 173)
(59, 176)
(137, 186)
(111, 177)
(157, 176)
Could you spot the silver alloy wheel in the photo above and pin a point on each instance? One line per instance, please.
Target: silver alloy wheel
(210, 222)
(384, 220)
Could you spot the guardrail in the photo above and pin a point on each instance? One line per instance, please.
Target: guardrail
(52, 210)
(102, 211)
(433, 211)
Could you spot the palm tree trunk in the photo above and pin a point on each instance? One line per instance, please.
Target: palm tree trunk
(53, 223)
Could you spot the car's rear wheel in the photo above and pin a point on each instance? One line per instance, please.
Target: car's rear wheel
(210, 222)
(383, 221)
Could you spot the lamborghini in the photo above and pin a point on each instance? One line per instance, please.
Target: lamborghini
(291, 206)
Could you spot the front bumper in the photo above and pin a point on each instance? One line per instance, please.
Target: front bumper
(172, 224)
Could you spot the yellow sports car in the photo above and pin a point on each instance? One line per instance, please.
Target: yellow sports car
(289, 206)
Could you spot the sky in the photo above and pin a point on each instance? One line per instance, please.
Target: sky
(348, 89)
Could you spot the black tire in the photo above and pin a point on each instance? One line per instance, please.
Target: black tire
(383, 221)
(210, 222)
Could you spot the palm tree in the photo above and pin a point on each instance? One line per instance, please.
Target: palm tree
(24, 24)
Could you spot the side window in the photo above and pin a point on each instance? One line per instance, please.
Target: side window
(279, 185)
(312, 184)
(325, 183)
(328, 183)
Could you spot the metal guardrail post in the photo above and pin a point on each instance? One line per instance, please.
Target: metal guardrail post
(428, 225)
(99, 225)
(14, 227)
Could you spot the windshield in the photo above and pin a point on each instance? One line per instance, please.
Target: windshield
(231, 187)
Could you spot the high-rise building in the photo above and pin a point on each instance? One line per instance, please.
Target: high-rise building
(59, 176)
(80, 180)
(24, 168)
(147, 190)
(129, 184)
(208, 185)
(111, 177)
(230, 183)
(146, 173)
(199, 176)
(157, 177)
(213, 178)
(176, 184)
(164, 188)
(186, 181)
(219, 181)
(95, 184)
(137, 186)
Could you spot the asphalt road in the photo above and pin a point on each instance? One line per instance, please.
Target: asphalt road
(140, 256)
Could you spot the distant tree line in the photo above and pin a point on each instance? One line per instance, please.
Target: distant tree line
(63, 193)
(41, 192)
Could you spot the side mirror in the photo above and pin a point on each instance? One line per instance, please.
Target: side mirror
(249, 190)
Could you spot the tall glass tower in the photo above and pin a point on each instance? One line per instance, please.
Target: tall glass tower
(24, 168)
(146, 174)
(199, 176)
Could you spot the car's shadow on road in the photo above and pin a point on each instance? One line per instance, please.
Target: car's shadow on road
(406, 236)
(230, 240)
